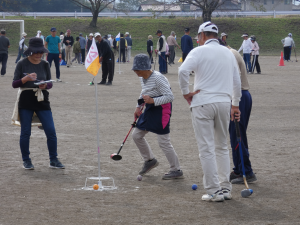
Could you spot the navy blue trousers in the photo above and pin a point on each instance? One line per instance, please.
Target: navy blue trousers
(247, 60)
(245, 108)
(55, 57)
(162, 62)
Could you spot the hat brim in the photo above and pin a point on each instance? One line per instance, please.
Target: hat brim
(32, 50)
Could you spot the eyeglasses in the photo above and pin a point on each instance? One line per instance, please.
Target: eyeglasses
(38, 52)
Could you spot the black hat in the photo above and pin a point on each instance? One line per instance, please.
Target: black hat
(158, 32)
(187, 29)
(36, 46)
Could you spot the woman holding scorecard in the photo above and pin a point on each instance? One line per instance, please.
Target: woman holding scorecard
(33, 100)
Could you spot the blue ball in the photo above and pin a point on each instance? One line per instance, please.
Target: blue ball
(194, 186)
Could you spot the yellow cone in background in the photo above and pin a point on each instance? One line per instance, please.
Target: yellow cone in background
(180, 60)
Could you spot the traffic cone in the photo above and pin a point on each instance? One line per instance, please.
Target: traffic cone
(281, 62)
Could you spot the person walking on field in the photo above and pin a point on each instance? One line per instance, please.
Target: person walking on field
(69, 41)
(21, 47)
(62, 46)
(157, 97)
(77, 50)
(150, 48)
(53, 44)
(288, 43)
(89, 42)
(186, 43)
(246, 47)
(82, 42)
(216, 95)
(161, 51)
(171, 41)
(255, 54)
(236, 176)
(4, 46)
(129, 46)
(223, 38)
(122, 45)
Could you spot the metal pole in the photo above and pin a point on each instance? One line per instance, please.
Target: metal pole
(75, 15)
(274, 14)
(3, 14)
(98, 141)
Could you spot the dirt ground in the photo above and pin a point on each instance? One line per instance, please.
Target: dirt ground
(47, 196)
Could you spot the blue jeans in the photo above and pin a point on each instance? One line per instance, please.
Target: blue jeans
(245, 108)
(55, 57)
(162, 62)
(46, 119)
(20, 54)
(3, 59)
(247, 59)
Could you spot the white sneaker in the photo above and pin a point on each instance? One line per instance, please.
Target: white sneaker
(58, 80)
(227, 194)
(216, 197)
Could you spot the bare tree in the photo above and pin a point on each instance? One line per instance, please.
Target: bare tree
(95, 6)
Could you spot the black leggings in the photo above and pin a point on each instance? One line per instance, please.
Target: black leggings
(255, 64)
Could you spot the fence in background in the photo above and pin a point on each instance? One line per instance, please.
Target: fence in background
(149, 14)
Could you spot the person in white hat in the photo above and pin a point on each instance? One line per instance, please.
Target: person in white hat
(246, 47)
(89, 41)
(223, 38)
(129, 46)
(216, 95)
(288, 43)
(22, 47)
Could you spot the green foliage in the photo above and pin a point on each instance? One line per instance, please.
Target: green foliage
(268, 31)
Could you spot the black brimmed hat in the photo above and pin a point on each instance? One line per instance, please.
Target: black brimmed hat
(36, 46)
(158, 32)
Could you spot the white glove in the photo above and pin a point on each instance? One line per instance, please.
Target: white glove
(159, 53)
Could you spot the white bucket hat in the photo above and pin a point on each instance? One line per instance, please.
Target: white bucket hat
(91, 34)
(97, 34)
(24, 34)
(224, 34)
(208, 27)
(126, 33)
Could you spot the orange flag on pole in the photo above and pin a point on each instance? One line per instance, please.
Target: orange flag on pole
(92, 63)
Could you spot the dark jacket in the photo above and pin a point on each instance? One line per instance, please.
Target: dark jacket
(149, 44)
(104, 50)
(122, 43)
(70, 39)
(186, 44)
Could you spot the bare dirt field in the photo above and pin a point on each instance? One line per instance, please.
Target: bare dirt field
(47, 196)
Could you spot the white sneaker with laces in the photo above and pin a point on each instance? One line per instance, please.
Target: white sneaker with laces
(227, 194)
(216, 197)
(58, 80)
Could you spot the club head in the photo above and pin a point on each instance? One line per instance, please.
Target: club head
(115, 157)
(246, 193)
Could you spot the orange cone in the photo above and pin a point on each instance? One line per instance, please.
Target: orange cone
(281, 62)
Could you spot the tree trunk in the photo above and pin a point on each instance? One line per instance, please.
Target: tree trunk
(206, 15)
(94, 20)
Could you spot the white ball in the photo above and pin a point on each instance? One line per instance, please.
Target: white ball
(139, 177)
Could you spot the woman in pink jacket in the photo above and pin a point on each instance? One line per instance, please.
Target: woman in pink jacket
(255, 54)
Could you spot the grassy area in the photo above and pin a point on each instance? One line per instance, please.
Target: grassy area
(269, 31)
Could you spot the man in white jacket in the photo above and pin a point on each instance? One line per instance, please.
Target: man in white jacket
(246, 47)
(288, 43)
(217, 90)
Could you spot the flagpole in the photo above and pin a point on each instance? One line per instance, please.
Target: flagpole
(120, 54)
(98, 134)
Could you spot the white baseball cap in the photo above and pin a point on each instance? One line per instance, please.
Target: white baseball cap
(126, 33)
(245, 35)
(224, 34)
(39, 31)
(208, 27)
(290, 34)
(91, 34)
(97, 34)
(24, 34)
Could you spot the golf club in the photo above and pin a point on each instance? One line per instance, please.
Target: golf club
(117, 156)
(165, 60)
(246, 192)
(295, 55)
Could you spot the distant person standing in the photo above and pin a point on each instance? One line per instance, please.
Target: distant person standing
(89, 42)
(122, 45)
(62, 46)
(150, 47)
(255, 54)
(69, 41)
(53, 44)
(288, 43)
(223, 38)
(186, 43)
(4, 46)
(246, 47)
(171, 41)
(161, 48)
(114, 45)
(77, 50)
(21, 47)
(82, 42)
(129, 46)
(39, 34)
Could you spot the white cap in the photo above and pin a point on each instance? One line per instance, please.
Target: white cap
(97, 34)
(245, 35)
(61, 36)
(91, 34)
(24, 34)
(126, 33)
(39, 31)
(208, 27)
(290, 34)
(224, 34)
